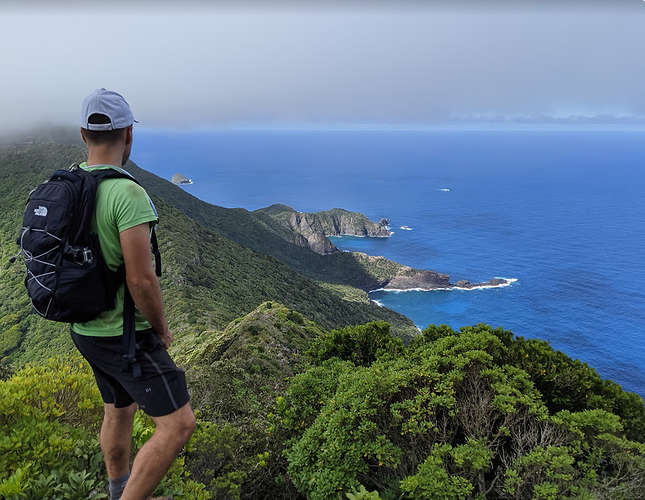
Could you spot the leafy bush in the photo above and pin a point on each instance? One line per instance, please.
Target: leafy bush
(49, 417)
(362, 345)
(453, 416)
(211, 459)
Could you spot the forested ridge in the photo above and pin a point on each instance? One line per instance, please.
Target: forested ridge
(302, 388)
(208, 279)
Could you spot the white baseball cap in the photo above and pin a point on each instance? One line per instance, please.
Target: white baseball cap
(108, 103)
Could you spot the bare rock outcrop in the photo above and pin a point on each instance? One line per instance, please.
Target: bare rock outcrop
(431, 280)
(424, 280)
(312, 229)
(338, 222)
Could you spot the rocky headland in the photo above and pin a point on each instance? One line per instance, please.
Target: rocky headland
(430, 280)
(395, 276)
(311, 230)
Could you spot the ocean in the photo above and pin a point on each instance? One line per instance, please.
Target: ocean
(560, 212)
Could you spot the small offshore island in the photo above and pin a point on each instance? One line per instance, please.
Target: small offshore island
(312, 230)
(180, 180)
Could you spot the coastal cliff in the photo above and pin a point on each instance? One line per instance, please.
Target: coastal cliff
(338, 222)
(312, 229)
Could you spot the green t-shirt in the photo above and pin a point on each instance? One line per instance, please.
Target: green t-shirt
(120, 204)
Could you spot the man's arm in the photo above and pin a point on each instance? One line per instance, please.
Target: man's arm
(142, 280)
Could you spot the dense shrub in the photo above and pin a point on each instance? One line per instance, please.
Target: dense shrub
(361, 345)
(49, 417)
(457, 416)
(476, 414)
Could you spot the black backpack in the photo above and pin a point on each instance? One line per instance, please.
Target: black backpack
(67, 278)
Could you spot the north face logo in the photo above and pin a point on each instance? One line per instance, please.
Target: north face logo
(40, 211)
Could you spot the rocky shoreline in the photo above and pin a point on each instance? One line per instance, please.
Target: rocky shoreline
(422, 283)
(311, 230)
(431, 280)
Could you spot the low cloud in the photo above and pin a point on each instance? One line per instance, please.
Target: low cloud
(245, 63)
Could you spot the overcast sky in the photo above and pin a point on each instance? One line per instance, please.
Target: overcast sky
(244, 62)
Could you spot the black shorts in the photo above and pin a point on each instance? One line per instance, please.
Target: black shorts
(159, 391)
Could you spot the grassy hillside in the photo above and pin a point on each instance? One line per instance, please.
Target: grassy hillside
(22, 169)
(261, 350)
(208, 279)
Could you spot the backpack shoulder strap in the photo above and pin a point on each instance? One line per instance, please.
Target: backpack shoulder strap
(112, 173)
(129, 341)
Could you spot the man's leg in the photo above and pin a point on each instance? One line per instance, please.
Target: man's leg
(157, 455)
(116, 439)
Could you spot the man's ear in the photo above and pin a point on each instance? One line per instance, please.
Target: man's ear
(83, 136)
(128, 135)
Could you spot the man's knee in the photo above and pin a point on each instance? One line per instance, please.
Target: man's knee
(119, 415)
(179, 425)
(187, 423)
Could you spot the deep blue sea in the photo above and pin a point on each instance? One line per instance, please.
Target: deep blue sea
(560, 211)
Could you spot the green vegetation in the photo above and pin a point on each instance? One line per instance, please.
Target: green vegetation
(22, 169)
(49, 418)
(49, 447)
(457, 415)
(208, 279)
(356, 414)
(233, 380)
(294, 400)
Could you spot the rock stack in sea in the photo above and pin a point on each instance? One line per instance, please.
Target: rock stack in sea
(180, 179)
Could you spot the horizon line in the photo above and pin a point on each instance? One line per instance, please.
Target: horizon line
(350, 126)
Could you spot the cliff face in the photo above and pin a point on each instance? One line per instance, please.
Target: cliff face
(311, 229)
(338, 222)
(319, 243)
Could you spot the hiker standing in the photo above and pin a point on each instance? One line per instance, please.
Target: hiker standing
(123, 219)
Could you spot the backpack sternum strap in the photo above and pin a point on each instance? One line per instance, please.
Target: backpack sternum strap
(83, 256)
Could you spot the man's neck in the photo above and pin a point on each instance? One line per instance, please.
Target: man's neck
(99, 155)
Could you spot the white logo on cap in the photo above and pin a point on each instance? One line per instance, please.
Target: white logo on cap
(40, 211)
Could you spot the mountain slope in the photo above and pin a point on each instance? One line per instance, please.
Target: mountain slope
(261, 232)
(208, 279)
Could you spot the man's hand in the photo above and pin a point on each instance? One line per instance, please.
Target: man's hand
(166, 338)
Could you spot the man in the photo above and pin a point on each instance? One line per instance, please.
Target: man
(122, 220)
